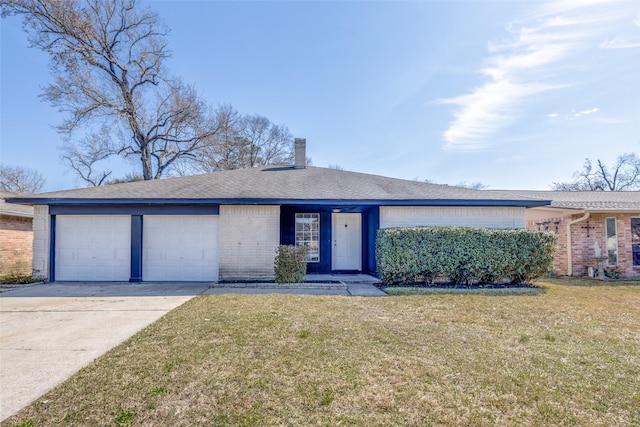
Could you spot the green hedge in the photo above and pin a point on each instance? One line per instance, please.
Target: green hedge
(462, 255)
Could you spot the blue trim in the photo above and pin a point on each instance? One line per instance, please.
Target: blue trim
(52, 249)
(370, 232)
(136, 248)
(326, 242)
(287, 234)
(134, 210)
(305, 202)
(370, 224)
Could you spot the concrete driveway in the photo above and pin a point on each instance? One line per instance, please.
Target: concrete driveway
(48, 332)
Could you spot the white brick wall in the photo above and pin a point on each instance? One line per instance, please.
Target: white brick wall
(248, 236)
(484, 217)
(41, 234)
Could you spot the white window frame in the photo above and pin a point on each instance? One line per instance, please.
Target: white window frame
(307, 234)
(611, 241)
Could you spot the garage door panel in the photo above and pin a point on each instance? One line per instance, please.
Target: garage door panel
(103, 238)
(180, 247)
(191, 238)
(93, 247)
(64, 254)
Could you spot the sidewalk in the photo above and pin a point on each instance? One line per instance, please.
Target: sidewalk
(362, 285)
(346, 289)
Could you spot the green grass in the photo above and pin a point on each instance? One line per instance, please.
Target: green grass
(568, 357)
(398, 290)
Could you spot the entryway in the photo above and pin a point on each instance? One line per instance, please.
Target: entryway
(347, 242)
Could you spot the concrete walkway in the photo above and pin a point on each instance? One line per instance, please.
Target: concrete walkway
(50, 331)
(347, 289)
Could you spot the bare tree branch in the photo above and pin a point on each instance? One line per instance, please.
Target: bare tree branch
(244, 141)
(107, 57)
(623, 176)
(85, 156)
(17, 178)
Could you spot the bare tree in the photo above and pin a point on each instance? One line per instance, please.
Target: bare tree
(624, 175)
(130, 177)
(222, 151)
(244, 141)
(265, 143)
(17, 178)
(475, 185)
(107, 57)
(86, 156)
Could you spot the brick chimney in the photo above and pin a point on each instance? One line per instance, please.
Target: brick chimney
(300, 151)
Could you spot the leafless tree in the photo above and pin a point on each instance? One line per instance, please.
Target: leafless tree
(87, 156)
(244, 141)
(475, 185)
(624, 175)
(107, 57)
(130, 177)
(265, 143)
(17, 178)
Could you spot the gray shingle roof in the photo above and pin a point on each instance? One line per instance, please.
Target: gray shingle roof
(13, 209)
(586, 200)
(278, 184)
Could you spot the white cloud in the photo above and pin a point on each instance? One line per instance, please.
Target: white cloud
(483, 111)
(619, 43)
(530, 61)
(586, 112)
(553, 115)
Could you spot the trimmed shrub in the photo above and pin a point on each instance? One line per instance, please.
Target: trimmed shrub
(290, 264)
(462, 255)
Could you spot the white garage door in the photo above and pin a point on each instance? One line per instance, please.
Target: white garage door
(180, 248)
(93, 247)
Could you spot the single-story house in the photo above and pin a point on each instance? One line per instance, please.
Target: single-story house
(227, 225)
(16, 235)
(601, 228)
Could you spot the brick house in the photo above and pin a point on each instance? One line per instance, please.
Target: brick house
(227, 225)
(594, 224)
(16, 236)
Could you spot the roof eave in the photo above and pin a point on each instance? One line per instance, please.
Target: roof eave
(18, 214)
(258, 201)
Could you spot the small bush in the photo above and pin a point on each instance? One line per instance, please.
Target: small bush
(463, 255)
(290, 264)
(19, 279)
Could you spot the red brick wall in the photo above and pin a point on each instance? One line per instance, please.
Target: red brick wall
(16, 243)
(556, 225)
(583, 239)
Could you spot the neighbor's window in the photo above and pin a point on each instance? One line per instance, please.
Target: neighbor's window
(635, 241)
(308, 234)
(612, 242)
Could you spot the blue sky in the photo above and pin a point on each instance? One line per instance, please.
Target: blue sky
(511, 94)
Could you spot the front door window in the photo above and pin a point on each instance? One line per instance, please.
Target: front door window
(308, 234)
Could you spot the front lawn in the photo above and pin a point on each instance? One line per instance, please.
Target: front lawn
(568, 356)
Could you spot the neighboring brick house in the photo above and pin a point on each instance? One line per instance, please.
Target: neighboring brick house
(227, 225)
(592, 223)
(16, 235)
